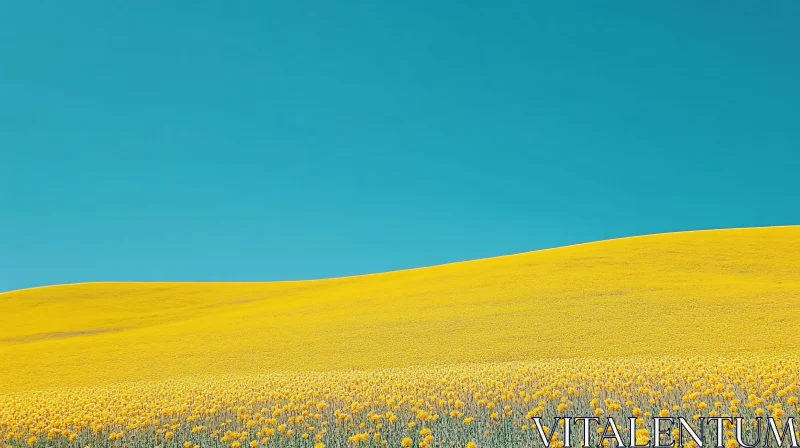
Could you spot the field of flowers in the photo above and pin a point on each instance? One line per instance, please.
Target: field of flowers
(489, 405)
(467, 354)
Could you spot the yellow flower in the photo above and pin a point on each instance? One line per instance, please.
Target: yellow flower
(642, 436)
(407, 442)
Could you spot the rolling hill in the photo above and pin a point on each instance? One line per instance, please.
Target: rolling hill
(707, 292)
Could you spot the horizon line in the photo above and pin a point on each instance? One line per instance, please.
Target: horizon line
(406, 269)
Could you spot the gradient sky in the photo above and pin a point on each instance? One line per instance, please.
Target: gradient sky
(212, 141)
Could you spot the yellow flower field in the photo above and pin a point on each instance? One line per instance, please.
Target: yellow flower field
(488, 404)
(691, 324)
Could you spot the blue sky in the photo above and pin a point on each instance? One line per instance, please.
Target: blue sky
(220, 141)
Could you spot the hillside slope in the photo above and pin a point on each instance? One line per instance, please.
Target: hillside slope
(710, 292)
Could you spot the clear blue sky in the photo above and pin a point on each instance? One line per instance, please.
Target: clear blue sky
(169, 140)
